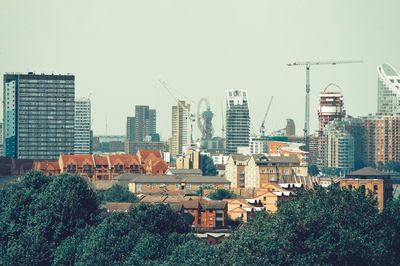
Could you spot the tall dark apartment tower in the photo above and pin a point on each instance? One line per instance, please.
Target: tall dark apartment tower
(143, 124)
(130, 129)
(237, 120)
(39, 114)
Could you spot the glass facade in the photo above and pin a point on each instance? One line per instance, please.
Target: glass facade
(388, 90)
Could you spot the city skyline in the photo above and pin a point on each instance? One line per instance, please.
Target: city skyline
(239, 46)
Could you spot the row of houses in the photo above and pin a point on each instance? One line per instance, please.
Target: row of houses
(105, 167)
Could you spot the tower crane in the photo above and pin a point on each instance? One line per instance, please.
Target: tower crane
(262, 128)
(191, 117)
(308, 64)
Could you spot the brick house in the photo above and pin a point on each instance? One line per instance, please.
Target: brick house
(207, 214)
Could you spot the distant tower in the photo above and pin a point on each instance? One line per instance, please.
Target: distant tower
(331, 107)
(290, 128)
(204, 120)
(180, 127)
(82, 137)
(237, 120)
(388, 90)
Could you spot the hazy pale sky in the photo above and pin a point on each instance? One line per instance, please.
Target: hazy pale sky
(118, 50)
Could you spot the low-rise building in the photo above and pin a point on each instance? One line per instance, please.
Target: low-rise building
(370, 179)
(206, 213)
(235, 169)
(167, 183)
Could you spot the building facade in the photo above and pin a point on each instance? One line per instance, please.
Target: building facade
(83, 135)
(381, 139)
(337, 148)
(39, 115)
(1, 140)
(180, 128)
(237, 123)
(388, 90)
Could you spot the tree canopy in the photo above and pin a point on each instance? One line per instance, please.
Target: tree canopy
(207, 166)
(57, 221)
(116, 193)
(221, 194)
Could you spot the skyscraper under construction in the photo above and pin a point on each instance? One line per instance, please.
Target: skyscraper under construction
(237, 120)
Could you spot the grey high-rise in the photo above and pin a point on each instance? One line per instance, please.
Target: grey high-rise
(82, 142)
(237, 120)
(39, 115)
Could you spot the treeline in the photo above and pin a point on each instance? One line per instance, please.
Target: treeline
(57, 221)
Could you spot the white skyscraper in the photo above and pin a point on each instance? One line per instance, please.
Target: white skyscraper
(388, 90)
(82, 136)
(180, 128)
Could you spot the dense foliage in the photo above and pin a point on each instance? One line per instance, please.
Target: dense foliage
(116, 193)
(221, 194)
(313, 170)
(207, 166)
(56, 220)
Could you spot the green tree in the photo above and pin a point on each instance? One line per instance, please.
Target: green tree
(221, 194)
(313, 170)
(390, 230)
(116, 193)
(318, 227)
(207, 166)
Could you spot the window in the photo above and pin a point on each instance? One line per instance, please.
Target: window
(376, 188)
(362, 189)
(350, 187)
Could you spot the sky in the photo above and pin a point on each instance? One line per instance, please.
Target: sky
(118, 50)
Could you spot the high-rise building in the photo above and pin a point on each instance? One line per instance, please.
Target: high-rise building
(388, 90)
(38, 115)
(130, 129)
(237, 123)
(331, 107)
(290, 128)
(381, 139)
(1, 140)
(153, 121)
(338, 149)
(82, 138)
(143, 124)
(180, 128)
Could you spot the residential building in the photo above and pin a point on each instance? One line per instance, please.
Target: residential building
(243, 209)
(381, 139)
(331, 106)
(237, 121)
(370, 179)
(388, 90)
(190, 159)
(289, 148)
(337, 150)
(261, 170)
(207, 214)
(39, 115)
(83, 135)
(235, 169)
(180, 128)
(144, 122)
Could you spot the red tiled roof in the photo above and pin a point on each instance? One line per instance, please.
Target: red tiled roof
(79, 159)
(144, 154)
(126, 159)
(47, 165)
(100, 160)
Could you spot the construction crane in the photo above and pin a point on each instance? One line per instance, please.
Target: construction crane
(308, 64)
(191, 117)
(262, 128)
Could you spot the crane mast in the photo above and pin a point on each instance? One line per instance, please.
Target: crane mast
(308, 65)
